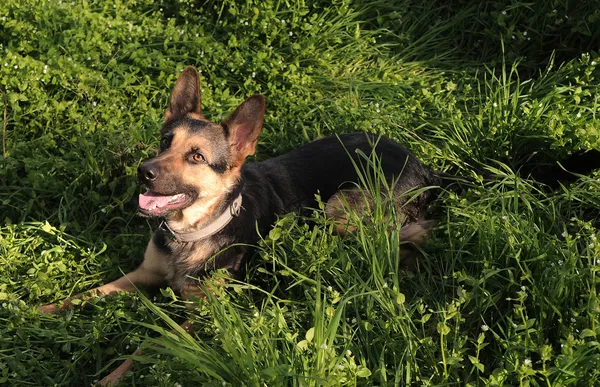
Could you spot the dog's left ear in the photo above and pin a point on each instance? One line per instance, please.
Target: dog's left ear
(185, 97)
(243, 127)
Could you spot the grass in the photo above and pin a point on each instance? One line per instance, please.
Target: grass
(506, 291)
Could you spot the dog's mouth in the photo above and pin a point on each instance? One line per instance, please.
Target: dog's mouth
(153, 203)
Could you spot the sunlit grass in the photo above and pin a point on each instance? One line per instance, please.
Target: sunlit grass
(506, 288)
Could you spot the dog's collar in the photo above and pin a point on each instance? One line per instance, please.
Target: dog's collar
(214, 227)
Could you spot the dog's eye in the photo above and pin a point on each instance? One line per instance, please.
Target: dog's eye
(164, 142)
(198, 157)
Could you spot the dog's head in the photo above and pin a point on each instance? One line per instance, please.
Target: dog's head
(199, 162)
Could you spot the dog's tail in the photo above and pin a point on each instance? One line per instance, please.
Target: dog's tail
(565, 171)
(550, 174)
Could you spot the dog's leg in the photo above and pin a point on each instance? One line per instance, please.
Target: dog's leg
(361, 203)
(343, 202)
(114, 378)
(150, 273)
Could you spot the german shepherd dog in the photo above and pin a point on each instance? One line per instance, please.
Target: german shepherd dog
(208, 199)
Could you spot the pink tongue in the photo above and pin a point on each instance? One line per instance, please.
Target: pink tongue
(150, 202)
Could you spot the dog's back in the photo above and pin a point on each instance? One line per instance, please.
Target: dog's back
(330, 167)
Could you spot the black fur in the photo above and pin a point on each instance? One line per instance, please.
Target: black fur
(289, 183)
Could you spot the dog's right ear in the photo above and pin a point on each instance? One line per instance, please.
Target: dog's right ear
(185, 97)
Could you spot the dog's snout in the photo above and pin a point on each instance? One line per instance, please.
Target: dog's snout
(147, 172)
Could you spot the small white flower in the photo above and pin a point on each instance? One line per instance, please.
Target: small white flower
(178, 385)
(291, 33)
(256, 314)
(554, 11)
(94, 103)
(593, 63)
(578, 115)
(330, 288)
(573, 319)
(504, 217)
(495, 104)
(527, 362)
(523, 288)
(378, 110)
(4, 304)
(514, 325)
(353, 320)
(339, 366)
(525, 33)
(323, 346)
(560, 262)
(564, 234)
(376, 104)
(253, 74)
(16, 67)
(348, 353)
(385, 285)
(485, 328)
(597, 261)
(282, 21)
(245, 23)
(504, 12)
(513, 37)
(591, 245)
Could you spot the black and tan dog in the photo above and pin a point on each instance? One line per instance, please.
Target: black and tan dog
(209, 199)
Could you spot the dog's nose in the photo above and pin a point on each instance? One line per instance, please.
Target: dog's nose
(147, 173)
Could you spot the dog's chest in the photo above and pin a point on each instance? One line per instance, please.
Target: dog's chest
(187, 262)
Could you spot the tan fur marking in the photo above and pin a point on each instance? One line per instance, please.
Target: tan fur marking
(355, 200)
(154, 261)
(210, 185)
(192, 291)
(196, 116)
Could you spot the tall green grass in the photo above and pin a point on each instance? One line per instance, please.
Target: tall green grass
(505, 293)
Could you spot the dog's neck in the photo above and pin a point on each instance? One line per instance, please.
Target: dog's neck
(209, 229)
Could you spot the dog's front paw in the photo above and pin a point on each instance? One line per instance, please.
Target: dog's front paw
(54, 308)
(49, 309)
(114, 378)
(111, 380)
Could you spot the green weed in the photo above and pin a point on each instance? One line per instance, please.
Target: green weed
(506, 290)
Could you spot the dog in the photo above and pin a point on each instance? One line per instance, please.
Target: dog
(213, 205)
